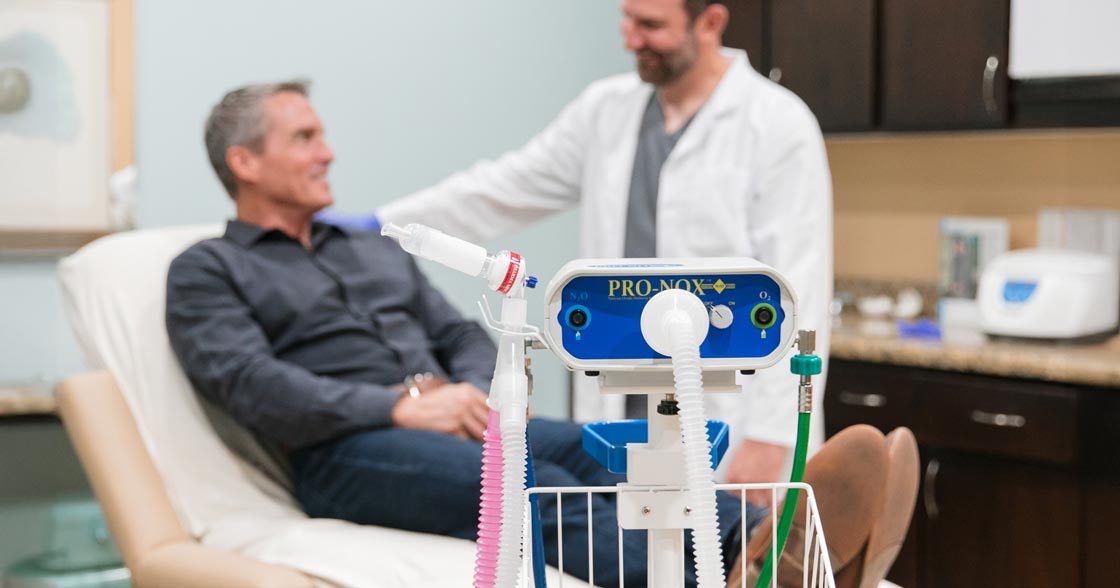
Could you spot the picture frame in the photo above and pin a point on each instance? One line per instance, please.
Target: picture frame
(966, 247)
(59, 149)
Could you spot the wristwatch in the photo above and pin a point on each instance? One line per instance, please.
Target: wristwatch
(412, 383)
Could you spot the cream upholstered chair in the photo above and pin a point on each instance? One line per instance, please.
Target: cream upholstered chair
(156, 548)
(186, 511)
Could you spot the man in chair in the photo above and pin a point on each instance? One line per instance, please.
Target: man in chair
(306, 333)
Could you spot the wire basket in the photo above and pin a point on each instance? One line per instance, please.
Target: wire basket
(816, 569)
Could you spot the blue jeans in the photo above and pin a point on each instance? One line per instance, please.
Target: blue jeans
(430, 483)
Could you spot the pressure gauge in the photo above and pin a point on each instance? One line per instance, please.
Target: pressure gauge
(720, 316)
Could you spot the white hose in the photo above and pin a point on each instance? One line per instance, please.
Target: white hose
(510, 392)
(513, 493)
(688, 377)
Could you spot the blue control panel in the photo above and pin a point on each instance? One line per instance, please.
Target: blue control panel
(600, 316)
(1018, 292)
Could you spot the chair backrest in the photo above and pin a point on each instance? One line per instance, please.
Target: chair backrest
(114, 290)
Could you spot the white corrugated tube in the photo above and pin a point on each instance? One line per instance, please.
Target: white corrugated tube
(513, 492)
(687, 375)
(510, 390)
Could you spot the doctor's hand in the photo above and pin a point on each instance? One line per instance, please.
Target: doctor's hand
(454, 409)
(757, 462)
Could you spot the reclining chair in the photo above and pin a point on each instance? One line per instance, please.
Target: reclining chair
(185, 510)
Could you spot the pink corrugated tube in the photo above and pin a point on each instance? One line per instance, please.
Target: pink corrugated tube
(490, 505)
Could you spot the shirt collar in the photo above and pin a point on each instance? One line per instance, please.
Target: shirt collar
(247, 234)
(728, 94)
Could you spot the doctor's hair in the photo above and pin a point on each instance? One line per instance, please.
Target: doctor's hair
(238, 119)
(695, 7)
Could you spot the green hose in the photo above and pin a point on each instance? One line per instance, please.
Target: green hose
(790, 504)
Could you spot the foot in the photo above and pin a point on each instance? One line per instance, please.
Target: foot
(889, 531)
(849, 477)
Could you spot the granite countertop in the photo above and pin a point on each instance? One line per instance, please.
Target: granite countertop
(878, 341)
(20, 400)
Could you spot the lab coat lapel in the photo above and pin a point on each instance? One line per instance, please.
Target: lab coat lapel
(681, 174)
(606, 218)
(725, 100)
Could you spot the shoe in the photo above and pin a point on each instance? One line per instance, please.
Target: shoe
(889, 531)
(849, 477)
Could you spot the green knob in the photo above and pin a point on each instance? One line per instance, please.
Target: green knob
(805, 365)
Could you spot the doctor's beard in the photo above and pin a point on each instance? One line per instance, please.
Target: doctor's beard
(662, 68)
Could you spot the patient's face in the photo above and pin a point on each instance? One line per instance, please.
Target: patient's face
(295, 157)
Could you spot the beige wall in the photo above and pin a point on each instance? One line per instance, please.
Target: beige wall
(890, 191)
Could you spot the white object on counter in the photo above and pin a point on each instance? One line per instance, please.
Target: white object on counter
(875, 306)
(908, 304)
(1049, 293)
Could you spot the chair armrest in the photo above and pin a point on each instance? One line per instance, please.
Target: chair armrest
(120, 471)
(191, 565)
(157, 550)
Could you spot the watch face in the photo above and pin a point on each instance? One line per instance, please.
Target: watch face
(15, 89)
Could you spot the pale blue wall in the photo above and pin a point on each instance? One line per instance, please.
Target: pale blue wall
(35, 340)
(409, 92)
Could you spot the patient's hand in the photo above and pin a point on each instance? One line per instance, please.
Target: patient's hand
(455, 409)
(757, 462)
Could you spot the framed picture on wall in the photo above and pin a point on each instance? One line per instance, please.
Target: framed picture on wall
(65, 118)
(967, 245)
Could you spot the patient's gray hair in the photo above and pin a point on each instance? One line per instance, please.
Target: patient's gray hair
(239, 120)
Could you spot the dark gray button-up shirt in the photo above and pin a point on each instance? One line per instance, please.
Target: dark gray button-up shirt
(302, 345)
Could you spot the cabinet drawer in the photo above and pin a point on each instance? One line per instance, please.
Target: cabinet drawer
(875, 395)
(1022, 420)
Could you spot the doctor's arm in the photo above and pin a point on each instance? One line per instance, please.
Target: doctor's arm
(790, 219)
(497, 197)
(227, 357)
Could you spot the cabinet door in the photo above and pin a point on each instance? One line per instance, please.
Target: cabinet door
(997, 523)
(861, 393)
(1101, 413)
(745, 30)
(1102, 509)
(824, 50)
(944, 64)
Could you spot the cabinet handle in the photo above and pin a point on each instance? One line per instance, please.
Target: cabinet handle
(995, 419)
(864, 400)
(991, 66)
(775, 75)
(929, 494)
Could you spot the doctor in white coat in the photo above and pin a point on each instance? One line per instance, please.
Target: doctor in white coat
(694, 155)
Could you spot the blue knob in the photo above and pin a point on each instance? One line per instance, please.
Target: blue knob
(531, 282)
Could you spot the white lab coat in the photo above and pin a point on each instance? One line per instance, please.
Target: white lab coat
(749, 177)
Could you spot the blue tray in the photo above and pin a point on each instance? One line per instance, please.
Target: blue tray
(606, 442)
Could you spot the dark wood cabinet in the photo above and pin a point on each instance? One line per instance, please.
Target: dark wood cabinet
(944, 64)
(1028, 421)
(883, 64)
(1102, 556)
(901, 65)
(824, 51)
(1020, 479)
(882, 396)
(988, 522)
(746, 30)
